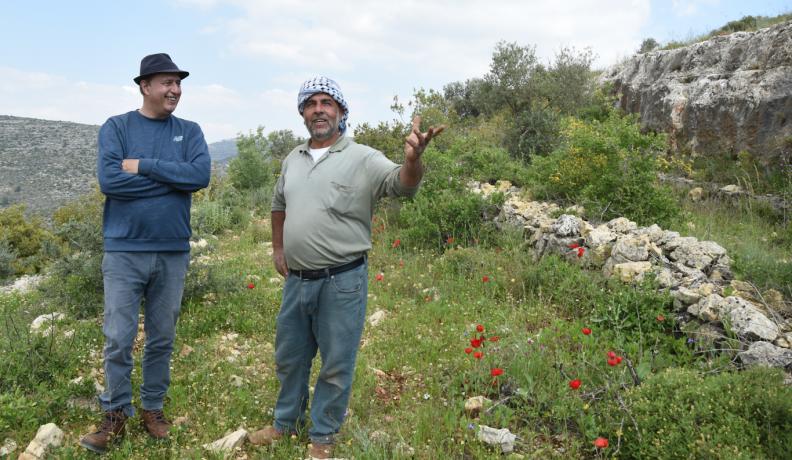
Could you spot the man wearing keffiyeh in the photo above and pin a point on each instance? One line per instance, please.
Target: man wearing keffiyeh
(321, 232)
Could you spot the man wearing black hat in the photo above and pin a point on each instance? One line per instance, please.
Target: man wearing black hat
(149, 163)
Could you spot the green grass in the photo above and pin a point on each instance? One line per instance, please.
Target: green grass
(433, 302)
(760, 247)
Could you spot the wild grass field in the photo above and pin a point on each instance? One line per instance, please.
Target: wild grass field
(574, 364)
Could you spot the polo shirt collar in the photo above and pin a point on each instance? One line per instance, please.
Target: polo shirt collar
(340, 144)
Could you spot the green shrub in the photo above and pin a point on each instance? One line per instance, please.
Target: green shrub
(25, 237)
(252, 167)
(221, 206)
(430, 219)
(474, 160)
(610, 167)
(388, 138)
(75, 277)
(681, 414)
(211, 217)
(533, 132)
(445, 207)
(7, 257)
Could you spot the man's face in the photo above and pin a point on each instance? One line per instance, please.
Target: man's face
(161, 93)
(322, 115)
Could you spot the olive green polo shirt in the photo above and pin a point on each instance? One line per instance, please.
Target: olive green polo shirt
(329, 204)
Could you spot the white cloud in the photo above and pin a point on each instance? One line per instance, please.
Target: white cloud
(267, 48)
(41, 95)
(433, 36)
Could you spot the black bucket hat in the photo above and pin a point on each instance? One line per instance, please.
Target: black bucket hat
(158, 63)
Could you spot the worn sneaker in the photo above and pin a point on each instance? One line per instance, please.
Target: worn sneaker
(155, 423)
(110, 430)
(265, 436)
(321, 451)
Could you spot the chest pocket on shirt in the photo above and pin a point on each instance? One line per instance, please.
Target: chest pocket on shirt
(342, 198)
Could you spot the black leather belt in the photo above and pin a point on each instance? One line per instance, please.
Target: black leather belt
(327, 272)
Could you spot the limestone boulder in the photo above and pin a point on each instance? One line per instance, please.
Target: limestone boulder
(748, 321)
(716, 97)
(766, 354)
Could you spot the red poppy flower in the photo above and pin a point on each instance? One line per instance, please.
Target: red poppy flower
(485, 279)
(574, 384)
(396, 243)
(496, 372)
(450, 240)
(612, 362)
(601, 443)
(573, 246)
(611, 355)
(478, 354)
(480, 328)
(468, 350)
(618, 360)
(251, 285)
(660, 318)
(379, 277)
(586, 331)
(581, 251)
(475, 343)
(494, 338)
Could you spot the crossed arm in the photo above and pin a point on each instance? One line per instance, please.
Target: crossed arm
(130, 179)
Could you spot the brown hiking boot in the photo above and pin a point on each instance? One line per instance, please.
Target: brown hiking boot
(155, 423)
(321, 451)
(111, 430)
(265, 436)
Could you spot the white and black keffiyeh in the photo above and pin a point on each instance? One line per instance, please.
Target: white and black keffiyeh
(327, 86)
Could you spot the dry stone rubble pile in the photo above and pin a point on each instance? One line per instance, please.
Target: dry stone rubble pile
(697, 273)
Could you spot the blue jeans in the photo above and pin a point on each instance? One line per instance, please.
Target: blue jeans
(327, 314)
(130, 277)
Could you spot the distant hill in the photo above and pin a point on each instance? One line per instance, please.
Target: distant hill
(45, 163)
(223, 151)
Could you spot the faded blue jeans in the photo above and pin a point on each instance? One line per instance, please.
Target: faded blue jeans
(327, 314)
(129, 277)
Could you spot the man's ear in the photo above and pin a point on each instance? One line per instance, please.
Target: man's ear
(144, 86)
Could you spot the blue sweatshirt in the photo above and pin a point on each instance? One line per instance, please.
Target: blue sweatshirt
(150, 211)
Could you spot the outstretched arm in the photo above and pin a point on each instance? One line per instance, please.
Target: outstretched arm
(414, 146)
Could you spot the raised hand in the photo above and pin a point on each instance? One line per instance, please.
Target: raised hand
(416, 142)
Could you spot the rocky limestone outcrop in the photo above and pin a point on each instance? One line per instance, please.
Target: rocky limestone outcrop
(696, 273)
(723, 95)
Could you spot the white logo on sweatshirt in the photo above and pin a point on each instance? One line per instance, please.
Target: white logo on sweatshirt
(177, 138)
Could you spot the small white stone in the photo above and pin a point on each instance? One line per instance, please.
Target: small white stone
(227, 444)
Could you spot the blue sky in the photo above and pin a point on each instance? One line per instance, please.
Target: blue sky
(75, 60)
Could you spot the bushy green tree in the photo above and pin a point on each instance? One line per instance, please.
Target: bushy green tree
(511, 75)
(282, 142)
(568, 84)
(252, 167)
